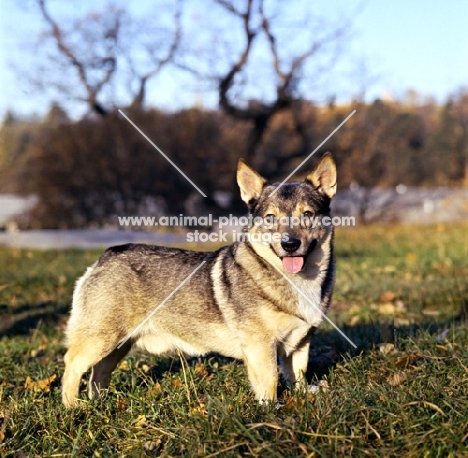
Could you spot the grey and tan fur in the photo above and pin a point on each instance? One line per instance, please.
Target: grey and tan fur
(237, 304)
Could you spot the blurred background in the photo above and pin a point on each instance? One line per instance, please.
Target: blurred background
(212, 81)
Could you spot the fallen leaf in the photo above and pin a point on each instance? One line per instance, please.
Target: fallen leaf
(387, 296)
(156, 388)
(323, 384)
(355, 321)
(200, 409)
(201, 370)
(176, 383)
(355, 309)
(123, 366)
(140, 421)
(387, 308)
(407, 360)
(386, 348)
(397, 379)
(40, 385)
(37, 351)
(152, 445)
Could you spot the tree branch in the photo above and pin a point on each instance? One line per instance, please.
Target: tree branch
(226, 82)
(140, 96)
(106, 64)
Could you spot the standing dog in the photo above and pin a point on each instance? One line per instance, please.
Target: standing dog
(255, 300)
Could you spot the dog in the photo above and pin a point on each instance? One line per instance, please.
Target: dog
(256, 300)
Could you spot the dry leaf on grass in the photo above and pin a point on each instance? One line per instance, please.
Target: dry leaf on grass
(156, 389)
(201, 370)
(140, 421)
(355, 320)
(39, 385)
(397, 379)
(407, 360)
(199, 410)
(387, 308)
(388, 296)
(37, 351)
(152, 445)
(386, 348)
(123, 366)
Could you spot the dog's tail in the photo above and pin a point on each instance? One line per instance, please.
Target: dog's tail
(78, 300)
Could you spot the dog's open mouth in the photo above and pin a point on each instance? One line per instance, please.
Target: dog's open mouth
(293, 264)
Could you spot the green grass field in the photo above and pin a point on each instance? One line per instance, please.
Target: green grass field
(406, 287)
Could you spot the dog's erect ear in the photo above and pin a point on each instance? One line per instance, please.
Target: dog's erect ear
(250, 182)
(323, 176)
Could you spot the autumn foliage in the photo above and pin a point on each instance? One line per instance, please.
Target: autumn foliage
(88, 171)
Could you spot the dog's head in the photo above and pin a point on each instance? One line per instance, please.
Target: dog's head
(287, 221)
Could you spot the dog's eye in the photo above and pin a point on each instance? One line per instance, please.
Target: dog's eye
(306, 220)
(270, 218)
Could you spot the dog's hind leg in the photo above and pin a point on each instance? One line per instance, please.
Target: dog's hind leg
(78, 359)
(82, 354)
(101, 373)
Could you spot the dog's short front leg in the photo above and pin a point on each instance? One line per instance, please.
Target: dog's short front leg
(295, 365)
(262, 369)
(300, 360)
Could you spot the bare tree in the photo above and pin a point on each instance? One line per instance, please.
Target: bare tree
(159, 46)
(101, 51)
(287, 68)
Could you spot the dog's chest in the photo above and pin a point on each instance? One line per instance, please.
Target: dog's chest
(308, 294)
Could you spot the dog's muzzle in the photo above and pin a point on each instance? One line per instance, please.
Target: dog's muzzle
(294, 264)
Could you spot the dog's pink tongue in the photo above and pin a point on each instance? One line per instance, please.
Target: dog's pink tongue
(293, 264)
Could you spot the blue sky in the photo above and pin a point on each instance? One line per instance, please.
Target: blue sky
(396, 45)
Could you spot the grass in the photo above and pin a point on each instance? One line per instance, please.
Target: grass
(404, 286)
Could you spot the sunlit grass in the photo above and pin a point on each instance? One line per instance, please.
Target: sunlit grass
(407, 398)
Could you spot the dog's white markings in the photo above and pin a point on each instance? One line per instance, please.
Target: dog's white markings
(303, 295)
(161, 152)
(161, 304)
(311, 154)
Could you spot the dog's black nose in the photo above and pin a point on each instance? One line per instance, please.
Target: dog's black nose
(291, 245)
